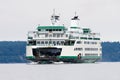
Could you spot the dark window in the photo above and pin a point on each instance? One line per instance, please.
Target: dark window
(39, 29)
(78, 49)
(62, 42)
(59, 29)
(32, 42)
(56, 30)
(50, 29)
(38, 42)
(58, 35)
(46, 42)
(53, 42)
(68, 42)
(47, 30)
(50, 42)
(53, 29)
(42, 42)
(79, 42)
(58, 42)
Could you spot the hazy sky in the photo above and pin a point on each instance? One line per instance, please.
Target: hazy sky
(17, 17)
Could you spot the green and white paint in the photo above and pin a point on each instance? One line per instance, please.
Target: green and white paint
(73, 40)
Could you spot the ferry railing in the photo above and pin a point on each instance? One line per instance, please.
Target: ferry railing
(38, 35)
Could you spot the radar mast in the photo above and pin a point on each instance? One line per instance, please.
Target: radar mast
(55, 18)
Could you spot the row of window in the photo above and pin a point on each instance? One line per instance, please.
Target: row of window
(52, 35)
(86, 42)
(84, 38)
(78, 49)
(79, 42)
(89, 38)
(55, 35)
(62, 43)
(86, 49)
(50, 42)
(87, 54)
(67, 42)
(56, 42)
(51, 30)
(91, 49)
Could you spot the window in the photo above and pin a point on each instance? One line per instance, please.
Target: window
(87, 42)
(79, 42)
(50, 42)
(56, 29)
(46, 35)
(39, 29)
(66, 35)
(46, 42)
(59, 29)
(94, 42)
(50, 35)
(96, 38)
(50, 29)
(47, 29)
(54, 42)
(83, 37)
(91, 54)
(53, 29)
(90, 38)
(38, 42)
(42, 42)
(58, 35)
(69, 42)
(78, 49)
(91, 49)
(57, 42)
(54, 35)
(62, 42)
(32, 42)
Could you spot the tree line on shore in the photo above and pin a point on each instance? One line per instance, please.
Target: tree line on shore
(14, 52)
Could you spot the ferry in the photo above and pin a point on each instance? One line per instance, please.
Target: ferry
(58, 43)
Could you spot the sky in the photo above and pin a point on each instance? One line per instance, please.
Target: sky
(17, 17)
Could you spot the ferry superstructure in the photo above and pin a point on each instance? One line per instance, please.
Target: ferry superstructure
(55, 43)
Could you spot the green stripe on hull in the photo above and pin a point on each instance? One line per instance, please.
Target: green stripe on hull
(71, 57)
(30, 57)
(84, 59)
(68, 57)
(74, 57)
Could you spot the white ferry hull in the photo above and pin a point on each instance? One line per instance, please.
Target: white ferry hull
(67, 54)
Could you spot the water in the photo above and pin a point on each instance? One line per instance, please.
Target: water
(91, 71)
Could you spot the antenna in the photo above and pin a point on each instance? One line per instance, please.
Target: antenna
(54, 18)
(38, 24)
(75, 13)
(54, 11)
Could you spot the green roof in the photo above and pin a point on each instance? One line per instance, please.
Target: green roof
(86, 28)
(50, 27)
(75, 27)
